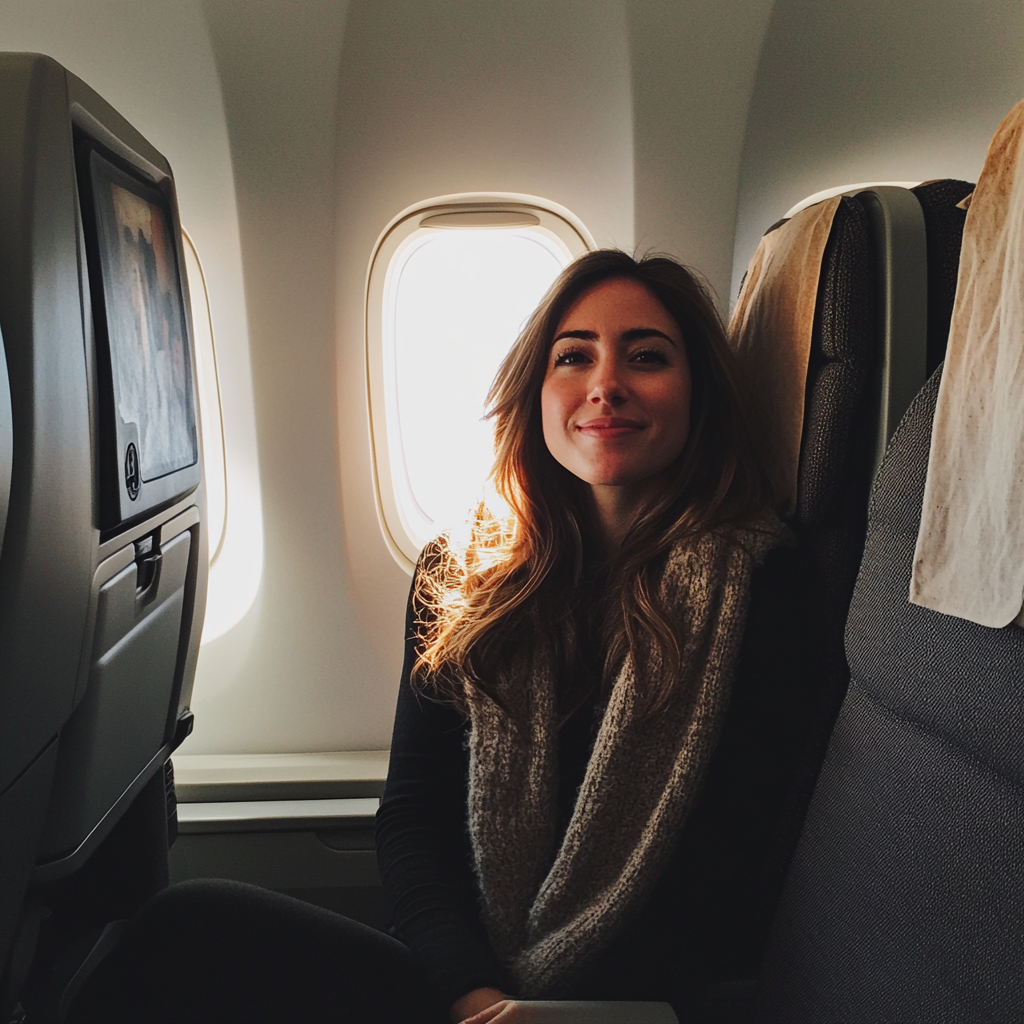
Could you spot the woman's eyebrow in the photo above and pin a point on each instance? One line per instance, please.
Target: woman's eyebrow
(635, 333)
(582, 335)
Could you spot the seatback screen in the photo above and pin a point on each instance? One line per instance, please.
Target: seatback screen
(150, 368)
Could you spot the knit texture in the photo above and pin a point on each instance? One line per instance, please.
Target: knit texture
(548, 909)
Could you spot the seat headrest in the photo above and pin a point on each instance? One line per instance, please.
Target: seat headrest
(969, 559)
(771, 331)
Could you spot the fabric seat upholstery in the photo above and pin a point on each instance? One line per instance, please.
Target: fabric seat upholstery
(905, 899)
(838, 436)
(944, 226)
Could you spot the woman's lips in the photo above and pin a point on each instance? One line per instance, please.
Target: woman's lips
(607, 427)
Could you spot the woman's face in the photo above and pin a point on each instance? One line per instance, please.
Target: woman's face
(615, 402)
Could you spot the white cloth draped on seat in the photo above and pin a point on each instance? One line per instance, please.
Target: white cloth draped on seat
(969, 558)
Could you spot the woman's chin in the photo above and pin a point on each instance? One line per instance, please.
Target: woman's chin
(625, 482)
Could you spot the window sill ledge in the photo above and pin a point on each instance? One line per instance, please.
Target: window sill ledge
(226, 778)
(277, 816)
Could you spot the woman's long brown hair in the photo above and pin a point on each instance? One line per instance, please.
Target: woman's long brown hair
(514, 585)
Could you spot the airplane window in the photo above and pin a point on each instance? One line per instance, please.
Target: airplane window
(451, 288)
(209, 399)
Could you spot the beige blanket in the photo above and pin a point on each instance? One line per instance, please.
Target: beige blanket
(771, 331)
(969, 559)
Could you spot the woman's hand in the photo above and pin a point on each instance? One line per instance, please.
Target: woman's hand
(504, 1011)
(479, 1006)
(495, 1012)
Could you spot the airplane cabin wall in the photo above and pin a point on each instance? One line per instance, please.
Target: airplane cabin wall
(259, 684)
(297, 131)
(444, 97)
(871, 90)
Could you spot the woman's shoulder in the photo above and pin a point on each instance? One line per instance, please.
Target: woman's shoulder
(433, 566)
(762, 533)
(758, 534)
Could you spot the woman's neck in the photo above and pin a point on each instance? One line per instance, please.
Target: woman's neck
(616, 507)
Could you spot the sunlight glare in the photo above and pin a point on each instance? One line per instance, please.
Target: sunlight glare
(457, 301)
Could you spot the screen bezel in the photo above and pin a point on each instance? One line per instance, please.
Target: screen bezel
(117, 507)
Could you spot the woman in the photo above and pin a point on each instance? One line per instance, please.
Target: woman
(594, 740)
(599, 722)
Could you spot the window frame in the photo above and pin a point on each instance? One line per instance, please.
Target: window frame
(466, 210)
(208, 377)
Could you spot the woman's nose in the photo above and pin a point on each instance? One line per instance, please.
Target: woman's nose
(605, 388)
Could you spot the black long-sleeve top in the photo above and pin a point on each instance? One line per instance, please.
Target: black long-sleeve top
(707, 918)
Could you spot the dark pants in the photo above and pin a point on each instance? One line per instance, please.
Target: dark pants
(222, 951)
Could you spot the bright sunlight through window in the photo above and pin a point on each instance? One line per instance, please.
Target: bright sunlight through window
(459, 286)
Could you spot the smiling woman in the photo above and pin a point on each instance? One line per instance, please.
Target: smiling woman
(626, 636)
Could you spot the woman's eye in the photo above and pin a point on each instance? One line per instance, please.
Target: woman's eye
(649, 355)
(570, 357)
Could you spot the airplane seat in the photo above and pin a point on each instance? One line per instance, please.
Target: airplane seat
(835, 319)
(881, 320)
(885, 289)
(103, 565)
(905, 897)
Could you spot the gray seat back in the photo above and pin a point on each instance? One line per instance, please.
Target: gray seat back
(905, 898)
(100, 619)
(47, 560)
(884, 293)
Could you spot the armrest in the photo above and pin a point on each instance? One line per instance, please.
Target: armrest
(578, 1012)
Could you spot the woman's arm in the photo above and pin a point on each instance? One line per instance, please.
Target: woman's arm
(423, 847)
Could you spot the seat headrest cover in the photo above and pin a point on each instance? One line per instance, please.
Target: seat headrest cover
(771, 332)
(969, 559)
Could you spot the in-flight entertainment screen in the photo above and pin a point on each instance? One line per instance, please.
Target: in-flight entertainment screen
(150, 371)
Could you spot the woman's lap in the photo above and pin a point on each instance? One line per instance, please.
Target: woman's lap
(216, 950)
